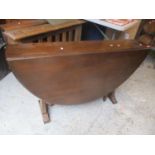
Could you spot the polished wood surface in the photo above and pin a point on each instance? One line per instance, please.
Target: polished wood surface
(74, 72)
(19, 24)
(26, 32)
(41, 50)
(37, 31)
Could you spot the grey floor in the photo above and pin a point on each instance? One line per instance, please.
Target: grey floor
(134, 113)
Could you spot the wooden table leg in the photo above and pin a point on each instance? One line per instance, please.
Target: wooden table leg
(44, 111)
(112, 97)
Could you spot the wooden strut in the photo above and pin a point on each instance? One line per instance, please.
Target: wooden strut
(44, 111)
(111, 96)
(44, 106)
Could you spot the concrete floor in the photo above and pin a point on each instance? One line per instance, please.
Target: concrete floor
(134, 113)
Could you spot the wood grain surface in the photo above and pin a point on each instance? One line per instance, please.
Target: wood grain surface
(76, 72)
(17, 34)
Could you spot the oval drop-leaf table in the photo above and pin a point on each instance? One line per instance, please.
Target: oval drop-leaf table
(74, 72)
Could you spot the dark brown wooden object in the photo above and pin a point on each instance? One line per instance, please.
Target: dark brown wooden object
(74, 72)
(149, 27)
(32, 30)
(146, 33)
(9, 25)
(68, 31)
(19, 24)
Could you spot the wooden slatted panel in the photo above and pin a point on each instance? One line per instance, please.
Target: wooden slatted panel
(70, 35)
(44, 39)
(78, 31)
(49, 37)
(53, 38)
(64, 36)
(40, 29)
(57, 37)
(40, 39)
(35, 41)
